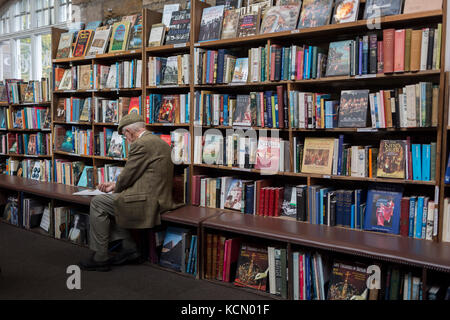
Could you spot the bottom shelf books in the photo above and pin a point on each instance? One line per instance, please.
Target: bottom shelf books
(179, 250)
(71, 225)
(31, 169)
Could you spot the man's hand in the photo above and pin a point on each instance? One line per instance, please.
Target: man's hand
(106, 187)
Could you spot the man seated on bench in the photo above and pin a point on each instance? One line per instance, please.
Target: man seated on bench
(143, 191)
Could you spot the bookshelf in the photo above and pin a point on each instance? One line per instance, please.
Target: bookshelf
(428, 256)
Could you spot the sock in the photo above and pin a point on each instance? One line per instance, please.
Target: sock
(128, 244)
(101, 256)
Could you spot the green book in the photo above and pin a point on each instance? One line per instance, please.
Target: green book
(395, 284)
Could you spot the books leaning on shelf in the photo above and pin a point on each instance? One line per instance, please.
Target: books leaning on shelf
(73, 140)
(40, 170)
(168, 108)
(112, 111)
(108, 173)
(29, 143)
(71, 225)
(29, 117)
(109, 143)
(178, 250)
(19, 92)
(74, 173)
(170, 70)
(73, 110)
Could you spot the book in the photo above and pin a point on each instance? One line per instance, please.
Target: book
(249, 21)
(383, 211)
(82, 43)
(242, 115)
(157, 35)
(100, 41)
(353, 109)
(268, 154)
(230, 23)
(212, 149)
(345, 11)
(211, 23)
(338, 62)
(315, 13)
(382, 8)
(136, 34)
(180, 27)
(172, 249)
(252, 267)
(167, 13)
(413, 6)
(280, 18)
(233, 195)
(119, 36)
(65, 45)
(170, 72)
(116, 145)
(318, 155)
(348, 281)
(170, 105)
(391, 159)
(240, 73)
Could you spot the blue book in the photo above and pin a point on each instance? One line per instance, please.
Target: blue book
(191, 248)
(249, 193)
(283, 61)
(269, 109)
(447, 171)
(418, 218)
(426, 162)
(225, 109)
(277, 124)
(352, 217)
(208, 63)
(357, 208)
(360, 67)
(82, 182)
(323, 192)
(412, 213)
(340, 154)
(383, 211)
(317, 208)
(305, 64)
(220, 63)
(310, 59)
(307, 276)
(365, 55)
(194, 257)
(208, 111)
(416, 162)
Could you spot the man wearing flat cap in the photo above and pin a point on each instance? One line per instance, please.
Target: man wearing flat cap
(143, 191)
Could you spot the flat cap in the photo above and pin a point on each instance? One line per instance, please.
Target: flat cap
(129, 119)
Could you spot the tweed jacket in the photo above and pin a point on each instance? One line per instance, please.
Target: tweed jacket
(145, 184)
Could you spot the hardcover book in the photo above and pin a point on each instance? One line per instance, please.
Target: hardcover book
(348, 282)
(315, 13)
(383, 211)
(240, 73)
(157, 35)
(93, 25)
(230, 23)
(82, 43)
(345, 11)
(65, 45)
(116, 145)
(180, 27)
(413, 6)
(318, 155)
(252, 267)
(233, 195)
(249, 21)
(170, 73)
(280, 18)
(353, 109)
(136, 34)
(212, 149)
(172, 249)
(391, 159)
(242, 116)
(85, 77)
(169, 106)
(382, 8)
(119, 36)
(100, 40)
(211, 23)
(167, 13)
(268, 154)
(338, 62)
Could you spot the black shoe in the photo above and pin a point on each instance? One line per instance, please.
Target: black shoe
(125, 256)
(90, 264)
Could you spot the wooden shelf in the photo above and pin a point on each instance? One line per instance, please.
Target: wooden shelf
(116, 55)
(169, 86)
(29, 130)
(366, 130)
(167, 124)
(29, 156)
(181, 47)
(73, 123)
(109, 158)
(71, 154)
(31, 104)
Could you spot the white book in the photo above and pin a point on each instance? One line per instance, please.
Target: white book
(335, 156)
(202, 192)
(182, 108)
(354, 161)
(138, 74)
(66, 81)
(301, 111)
(373, 116)
(167, 12)
(424, 51)
(281, 162)
(411, 106)
(380, 110)
(271, 262)
(157, 35)
(112, 78)
(445, 222)
(216, 106)
(186, 68)
(100, 41)
(406, 288)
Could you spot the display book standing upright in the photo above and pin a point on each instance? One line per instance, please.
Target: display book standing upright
(380, 81)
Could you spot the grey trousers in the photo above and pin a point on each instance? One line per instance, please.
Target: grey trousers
(103, 228)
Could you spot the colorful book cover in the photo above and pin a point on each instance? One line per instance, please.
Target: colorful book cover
(391, 159)
(338, 62)
(249, 20)
(119, 36)
(212, 148)
(136, 34)
(135, 105)
(252, 267)
(353, 109)
(169, 106)
(315, 13)
(211, 23)
(172, 249)
(382, 8)
(233, 195)
(82, 43)
(318, 155)
(242, 115)
(268, 154)
(115, 145)
(345, 11)
(383, 211)
(240, 73)
(180, 27)
(100, 40)
(65, 45)
(348, 282)
(230, 23)
(280, 18)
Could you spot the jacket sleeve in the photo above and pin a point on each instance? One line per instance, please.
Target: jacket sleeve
(134, 168)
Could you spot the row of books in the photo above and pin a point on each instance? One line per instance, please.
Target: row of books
(120, 75)
(74, 173)
(73, 110)
(400, 159)
(28, 117)
(26, 143)
(73, 140)
(230, 20)
(412, 106)
(174, 28)
(168, 108)
(262, 109)
(112, 110)
(71, 225)
(169, 70)
(40, 170)
(17, 91)
(125, 34)
(235, 150)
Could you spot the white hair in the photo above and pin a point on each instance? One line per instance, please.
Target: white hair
(134, 127)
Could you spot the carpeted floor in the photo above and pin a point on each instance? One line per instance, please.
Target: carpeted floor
(34, 267)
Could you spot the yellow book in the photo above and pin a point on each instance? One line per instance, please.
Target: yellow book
(119, 36)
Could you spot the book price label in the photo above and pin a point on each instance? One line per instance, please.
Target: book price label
(365, 76)
(117, 159)
(133, 51)
(197, 44)
(295, 31)
(179, 45)
(326, 177)
(89, 57)
(167, 124)
(367, 130)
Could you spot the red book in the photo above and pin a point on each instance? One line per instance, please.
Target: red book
(225, 259)
(280, 106)
(380, 57)
(300, 276)
(271, 201)
(299, 75)
(277, 205)
(221, 110)
(404, 216)
(388, 50)
(399, 50)
(266, 201)
(261, 201)
(261, 98)
(232, 257)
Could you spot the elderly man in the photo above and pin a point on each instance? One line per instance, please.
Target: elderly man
(143, 191)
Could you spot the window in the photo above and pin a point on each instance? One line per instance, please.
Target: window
(25, 39)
